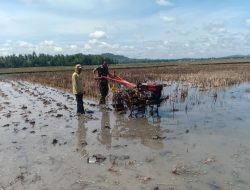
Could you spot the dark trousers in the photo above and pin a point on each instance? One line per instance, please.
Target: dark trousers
(104, 90)
(80, 108)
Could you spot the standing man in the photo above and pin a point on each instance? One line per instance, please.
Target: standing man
(78, 88)
(103, 70)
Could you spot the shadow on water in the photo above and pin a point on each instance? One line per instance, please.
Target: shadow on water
(105, 136)
(82, 135)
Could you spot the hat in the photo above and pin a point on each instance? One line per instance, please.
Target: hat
(104, 63)
(78, 66)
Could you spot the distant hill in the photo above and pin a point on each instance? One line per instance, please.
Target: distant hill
(118, 58)
(236, 56)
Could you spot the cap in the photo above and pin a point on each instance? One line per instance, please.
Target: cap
(78, 66)
(104, 64)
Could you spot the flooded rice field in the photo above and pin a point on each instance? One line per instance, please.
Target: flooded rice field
(200, 141)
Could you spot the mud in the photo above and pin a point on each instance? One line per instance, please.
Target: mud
(197, 141)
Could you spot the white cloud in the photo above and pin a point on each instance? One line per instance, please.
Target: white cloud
(186, 45)
(24, 44)
(200, 46)
(163, 2)
(168, 19)
(87, 47)
(104, 45)
(96, 44)
(4, 51)
(166, 42)
(58, 49)
(93, 41)
(48, 43)
(98, 35)
(73, 47)
(116, 46)
(248, 22)
(216, 27)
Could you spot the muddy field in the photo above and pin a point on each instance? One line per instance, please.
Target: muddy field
(200, 142)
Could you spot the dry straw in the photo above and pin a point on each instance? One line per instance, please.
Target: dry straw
(200, 75)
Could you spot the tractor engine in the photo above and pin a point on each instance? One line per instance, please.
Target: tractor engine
(138, 98)
(154, 92)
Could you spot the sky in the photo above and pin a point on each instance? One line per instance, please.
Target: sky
(155, 29)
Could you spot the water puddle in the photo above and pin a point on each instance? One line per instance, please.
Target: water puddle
(199, 140)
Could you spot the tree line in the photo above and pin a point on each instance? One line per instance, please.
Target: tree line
(45, 60)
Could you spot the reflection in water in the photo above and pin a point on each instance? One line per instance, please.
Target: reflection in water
(105, 136)
(185, 109)
(124, 127)
(139, 128)
(155, 120)
(81, 135)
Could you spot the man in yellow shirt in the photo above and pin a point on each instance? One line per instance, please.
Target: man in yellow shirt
(78, 88)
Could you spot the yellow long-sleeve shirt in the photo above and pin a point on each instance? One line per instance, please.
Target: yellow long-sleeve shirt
(77, 83)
